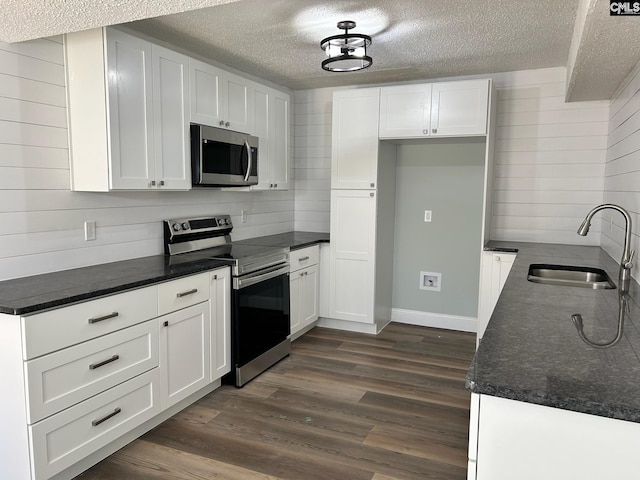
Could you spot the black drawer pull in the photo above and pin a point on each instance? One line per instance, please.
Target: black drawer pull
(95, 423)
(104, 317)
(302, 259)
(188, 292)
(93, 366)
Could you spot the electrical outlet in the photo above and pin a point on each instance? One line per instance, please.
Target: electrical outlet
(89, 231)
(243, 216)
(427, 215)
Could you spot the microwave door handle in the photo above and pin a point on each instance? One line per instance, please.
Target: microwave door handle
(249, 165)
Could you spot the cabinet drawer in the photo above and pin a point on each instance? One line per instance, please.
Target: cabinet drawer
(56, 329)
(304, 257)
(67, 437)
(182, 293)
(64, 378)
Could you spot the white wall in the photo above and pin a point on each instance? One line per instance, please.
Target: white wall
(550, 159)
(622, 174)
(42, 221)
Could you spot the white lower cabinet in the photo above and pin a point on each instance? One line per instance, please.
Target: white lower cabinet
(524, 441)
(494, 270)
(67, 437)
(220, 323)
(185, 348)
(304, 288)
(353, 245)
(78, 378)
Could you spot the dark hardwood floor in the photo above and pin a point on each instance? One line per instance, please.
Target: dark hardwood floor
(342, 406)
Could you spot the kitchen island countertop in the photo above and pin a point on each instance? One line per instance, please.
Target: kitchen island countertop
(28, 295)
(532, 352)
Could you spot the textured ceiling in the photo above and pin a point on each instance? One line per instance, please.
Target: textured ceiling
(412, 39)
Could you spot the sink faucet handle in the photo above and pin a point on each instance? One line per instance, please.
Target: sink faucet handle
(629, 263)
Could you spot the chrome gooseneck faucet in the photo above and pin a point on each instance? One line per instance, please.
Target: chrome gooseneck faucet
(627, 254)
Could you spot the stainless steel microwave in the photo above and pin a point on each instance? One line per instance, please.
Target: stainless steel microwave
(223, 158)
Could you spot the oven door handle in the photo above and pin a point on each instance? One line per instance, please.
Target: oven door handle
(239, 283)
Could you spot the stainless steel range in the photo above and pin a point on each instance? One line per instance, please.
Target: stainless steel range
(260, 323)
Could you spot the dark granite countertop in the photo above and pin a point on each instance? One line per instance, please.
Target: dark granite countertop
(32, 294)
(40, 292)
(532, 352)
(293, 240)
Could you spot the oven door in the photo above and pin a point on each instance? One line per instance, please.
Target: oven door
(260, 319)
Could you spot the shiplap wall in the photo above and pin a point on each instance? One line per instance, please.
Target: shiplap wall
(42, 221)
(549, 163)
(549, 159)
(312, 152)
(622, 174)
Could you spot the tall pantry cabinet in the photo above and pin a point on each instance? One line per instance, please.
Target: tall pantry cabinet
(367, 126)
(362, 211)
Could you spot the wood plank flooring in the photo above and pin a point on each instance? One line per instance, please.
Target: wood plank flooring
(343, 406)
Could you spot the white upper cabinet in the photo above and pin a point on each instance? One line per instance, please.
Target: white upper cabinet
(219, 98)
(354, 149)
(128, 110)
(447, 109)
(171, 117)
(405, 111)
(459, 108)
(271, 126)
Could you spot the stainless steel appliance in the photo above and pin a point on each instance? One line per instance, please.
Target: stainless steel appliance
(260, 319)
(222, 157)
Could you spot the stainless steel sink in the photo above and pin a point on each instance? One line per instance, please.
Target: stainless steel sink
(569, 275)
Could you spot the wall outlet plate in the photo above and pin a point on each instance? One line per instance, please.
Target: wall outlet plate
(427, 215)
(89, 230)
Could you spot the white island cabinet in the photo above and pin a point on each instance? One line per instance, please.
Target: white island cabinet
(128, 113)
(81, 381)
(517, 440)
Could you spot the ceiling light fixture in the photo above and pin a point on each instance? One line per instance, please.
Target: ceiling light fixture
(347, 52)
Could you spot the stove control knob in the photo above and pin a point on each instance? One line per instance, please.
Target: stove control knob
(185, 226)
(176, 227)
(227, 221)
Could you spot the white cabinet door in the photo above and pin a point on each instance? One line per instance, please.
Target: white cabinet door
(494, 270)
(295, 280)
(353, 225)
(220, 99)
(459, 108)
(405, 111)
(206, 88)
(130, 100)
(304, 293)
(279, 141)
(354, 149)
(238, 102)
(262, 128)
(501, 266)
(309, 296)
(185, 345)
(171, 119)
(220, 323)
(524, 441)
(271, 126)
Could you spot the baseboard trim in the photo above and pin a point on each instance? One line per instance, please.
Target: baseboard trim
(435, 320)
